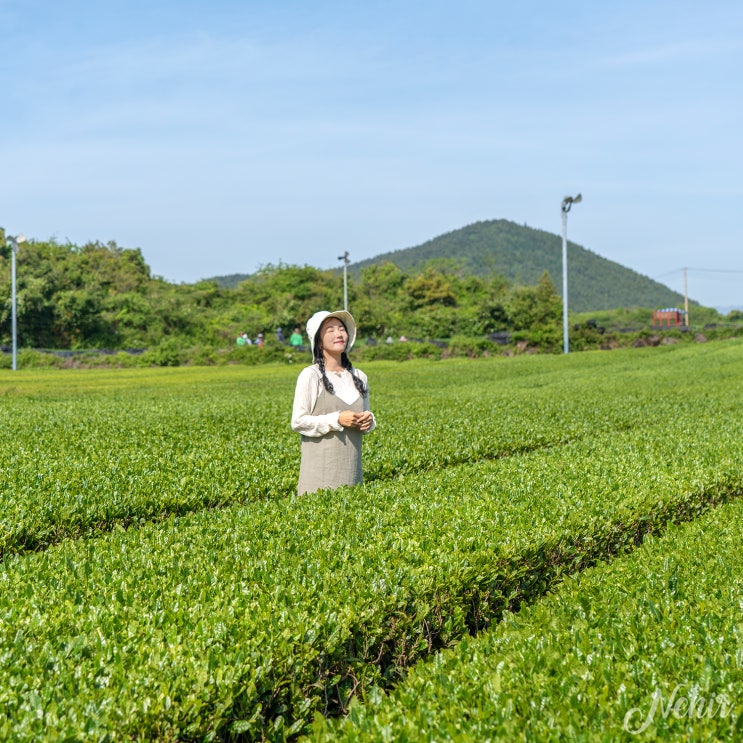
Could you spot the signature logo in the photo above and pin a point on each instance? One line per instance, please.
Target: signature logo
(691, 705)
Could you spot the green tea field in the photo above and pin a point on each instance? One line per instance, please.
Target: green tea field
(544, 548)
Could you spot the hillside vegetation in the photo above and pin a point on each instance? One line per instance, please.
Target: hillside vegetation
(105, 296)
(522, 254)
(100, 296)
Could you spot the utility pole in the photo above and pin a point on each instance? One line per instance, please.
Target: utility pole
(344, 258)
(567, 202)
(14, 242)
(686, 301)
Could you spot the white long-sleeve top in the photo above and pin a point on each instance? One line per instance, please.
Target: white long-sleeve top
(309, 385)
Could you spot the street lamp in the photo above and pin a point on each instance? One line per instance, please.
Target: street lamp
(14, 242)
(567, 202)
(344, 258)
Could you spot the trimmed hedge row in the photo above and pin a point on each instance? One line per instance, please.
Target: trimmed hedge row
(648, 647)
(83, 452)
(251, 620)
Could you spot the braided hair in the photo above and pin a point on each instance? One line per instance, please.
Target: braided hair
(319, 359)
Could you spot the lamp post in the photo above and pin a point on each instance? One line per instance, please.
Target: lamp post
(567, 202)
(344, 258)
(14, 242)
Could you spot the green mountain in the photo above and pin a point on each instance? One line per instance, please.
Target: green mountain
(522, 254)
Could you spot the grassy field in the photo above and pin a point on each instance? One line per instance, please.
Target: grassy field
(160, 579)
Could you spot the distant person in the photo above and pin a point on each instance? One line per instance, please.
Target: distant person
(331, 406)
(259, 340)
(295, 339)
(243, 340)
(280, 335)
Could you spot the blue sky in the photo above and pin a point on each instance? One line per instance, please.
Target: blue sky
(221, 136)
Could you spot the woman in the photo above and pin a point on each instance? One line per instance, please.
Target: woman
(331, 406)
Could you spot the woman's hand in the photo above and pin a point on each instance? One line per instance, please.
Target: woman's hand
(349, 419)
(364, 420)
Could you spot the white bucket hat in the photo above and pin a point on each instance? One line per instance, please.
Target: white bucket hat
(314, 323)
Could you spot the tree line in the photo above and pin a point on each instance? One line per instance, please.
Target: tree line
(104, 296)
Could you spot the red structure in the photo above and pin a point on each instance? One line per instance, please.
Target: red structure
(670, 316)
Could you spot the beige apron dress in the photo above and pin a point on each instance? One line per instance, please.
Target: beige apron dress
(334, 459)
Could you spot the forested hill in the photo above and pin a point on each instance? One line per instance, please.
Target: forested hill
(522, 254)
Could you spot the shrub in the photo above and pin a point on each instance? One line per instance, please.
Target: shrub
(473, 347)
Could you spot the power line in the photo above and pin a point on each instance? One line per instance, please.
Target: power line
(716, 270)
(699, 270)
(668, 273)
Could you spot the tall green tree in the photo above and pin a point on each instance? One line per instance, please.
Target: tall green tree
(533, 307)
